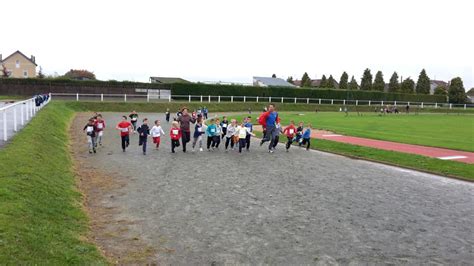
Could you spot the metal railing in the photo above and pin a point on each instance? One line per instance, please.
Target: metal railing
(18, 114)
(255, 99)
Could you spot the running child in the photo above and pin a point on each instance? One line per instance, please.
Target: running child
(290, 132)
(167, 115)
(134, 119)
(198, 132)
(175, 134)
(100, 126)
(306, 138)
(125, 128)
(156, 133)
(90, 130)
(299, 132)
(217, 138)
(211, 132)
(248, 124)
(224, 125)
(242, 132)
(144, 132)
(277, 137)
(231, 129)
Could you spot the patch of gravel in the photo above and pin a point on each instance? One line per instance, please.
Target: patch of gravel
(284, 208)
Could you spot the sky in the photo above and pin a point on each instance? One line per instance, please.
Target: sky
(232, 41)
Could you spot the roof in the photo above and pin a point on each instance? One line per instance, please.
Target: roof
(275, 82)
(439, 82)
(315, 83)
(470, 92)
(20, 53)
(168, 80)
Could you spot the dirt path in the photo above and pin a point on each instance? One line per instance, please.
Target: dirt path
(285, 208)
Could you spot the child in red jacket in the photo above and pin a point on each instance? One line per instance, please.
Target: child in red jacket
(290, 132)
(175, 134)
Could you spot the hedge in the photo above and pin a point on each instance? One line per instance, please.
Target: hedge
(229, 90)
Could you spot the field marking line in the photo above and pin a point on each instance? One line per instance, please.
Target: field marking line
(454, 157)
(331, 135)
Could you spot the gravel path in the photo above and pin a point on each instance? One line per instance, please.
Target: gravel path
(285, 208)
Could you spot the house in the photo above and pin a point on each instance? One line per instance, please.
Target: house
(80, 74)
(167, 80)
(436, 83)
(18, 65)
(315, 83)
(271, 82)
(470, 95)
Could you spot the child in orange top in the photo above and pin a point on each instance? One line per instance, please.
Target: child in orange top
(290, 132)
(175, 134)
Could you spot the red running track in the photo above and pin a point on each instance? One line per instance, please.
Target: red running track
(440, 153)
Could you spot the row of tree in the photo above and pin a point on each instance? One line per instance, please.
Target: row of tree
(455, 91)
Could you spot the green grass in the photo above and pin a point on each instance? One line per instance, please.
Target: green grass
(436, 130)
(417, 162)
(41, 220)
(12, 97)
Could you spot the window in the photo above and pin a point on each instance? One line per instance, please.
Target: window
(25, 73)
(17, 63)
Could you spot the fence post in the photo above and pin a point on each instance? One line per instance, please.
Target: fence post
(369, 102)
(32, 108)
(245, 98)
(450, 106)
(295, 99)
(22, 114)
(381, 103)
(77, 97)
(209, 98)
(257, 98)
(231, 99)
(219, 99)
(282, 99)
(269, 99)
(421, 104)
(101, 97)
(357, 102)
(319, 100)
(169, 98)
(5, 125)
(332, 101)
(408, 103)
(465, 106)
(307, 100)
(201, 98)
(395, 103)
(147, 97)
(344, 102)
(125, 97)
(436, 105)
(189, 98)
(14, 119)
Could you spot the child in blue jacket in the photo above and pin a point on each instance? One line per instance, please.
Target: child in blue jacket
(211, 133)
(306, 138)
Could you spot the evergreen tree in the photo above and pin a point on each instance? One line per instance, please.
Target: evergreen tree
(379, 83)
(393, 85)
(353, 84)
(423, 84)
(366, 81)
(40, 73)
(456, 92)
(343, 81)
(305, 80)
(441, 90)
(274, 76)
(407, 86)
(331, 82)
(324, 82)
(289, 79)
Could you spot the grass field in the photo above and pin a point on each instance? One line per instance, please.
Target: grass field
(436, 130)
(41, 216)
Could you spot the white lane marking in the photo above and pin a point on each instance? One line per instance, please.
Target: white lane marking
(332, 135)
(452, 157)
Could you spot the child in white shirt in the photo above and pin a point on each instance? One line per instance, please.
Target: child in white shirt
(242, 132)
(156, 132)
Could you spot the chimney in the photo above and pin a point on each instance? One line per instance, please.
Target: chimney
(0, 58)
(33, 59)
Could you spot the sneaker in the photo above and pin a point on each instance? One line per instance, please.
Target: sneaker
(90, 151)
(287, 150)
(270, 151)
(123, 150)
(144, 153)
(94, 150)
(261, 142)
(193, 150)
(200, 149)
(100, 143)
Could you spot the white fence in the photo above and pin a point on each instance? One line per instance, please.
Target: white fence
(250, 99)
(16, 115)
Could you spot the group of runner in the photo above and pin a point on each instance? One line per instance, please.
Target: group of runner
(234, 134)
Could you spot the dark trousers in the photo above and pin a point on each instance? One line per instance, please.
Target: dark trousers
(224, 132)
(167, 117)
(247, 141)
(142, 142)
(209, 142)
(241, 144)
(134, 124)
(186, 137)
(174, 144)
(307, 142)
(270, 135)
(216, 140)
(227, 141)
(290, 141)
(275, 141)
(125, 142)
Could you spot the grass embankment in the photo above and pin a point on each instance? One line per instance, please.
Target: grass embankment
(41, 220)
(435, 130)
(232, 107)
(14, 97)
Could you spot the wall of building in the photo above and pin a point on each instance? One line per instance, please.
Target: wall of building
(24, 66)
